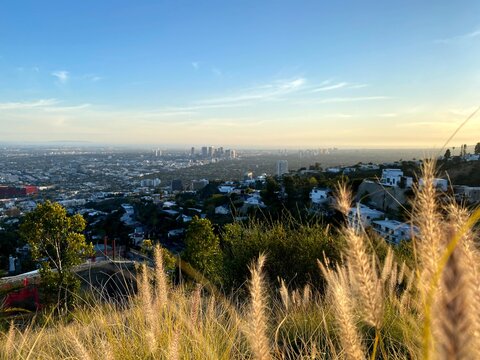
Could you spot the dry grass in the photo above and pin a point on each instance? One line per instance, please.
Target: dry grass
(375, 306)
(257, 324)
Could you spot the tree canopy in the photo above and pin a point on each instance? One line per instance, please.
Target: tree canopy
(57, 243)
(202, 249)
(448, 154)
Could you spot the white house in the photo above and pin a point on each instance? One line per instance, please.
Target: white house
(254, 201)
(391, 177)
(222, 210)
(168, 204)
(319, 195)
(363, 215)
(225, 189)
(394, 177)
(394, 231)
(333, 170)
(441, 184)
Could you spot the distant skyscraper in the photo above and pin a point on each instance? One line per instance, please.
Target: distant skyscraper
(230, 153)
(192, 152)
(282, 167)
(204, 151)
(210, 151)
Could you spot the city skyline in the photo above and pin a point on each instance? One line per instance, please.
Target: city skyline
(271, 74)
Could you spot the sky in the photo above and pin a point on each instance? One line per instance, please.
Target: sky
(240, 73)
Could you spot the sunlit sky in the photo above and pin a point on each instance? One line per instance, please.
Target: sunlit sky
(243, 73)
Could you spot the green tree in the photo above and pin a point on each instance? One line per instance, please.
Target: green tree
(447, 155)
(312, 182)
(202, 249)
(477, 148)
(57, 242)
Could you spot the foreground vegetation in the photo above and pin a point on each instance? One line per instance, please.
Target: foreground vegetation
(377, 303)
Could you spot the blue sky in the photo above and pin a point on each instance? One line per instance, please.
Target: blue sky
(240, 73)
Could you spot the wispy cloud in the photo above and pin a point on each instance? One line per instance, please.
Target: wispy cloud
(352, 99)
(328, 86)
(331, 87)
(61, 75)
(43, 105)
(28, 104)
(425, 123)
(167, 112)
(467, 36)
(195, 65)
(66, 108)
(264, 92)
(357, 86)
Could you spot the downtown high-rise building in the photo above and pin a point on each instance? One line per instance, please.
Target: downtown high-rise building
(211, 149)
(282, 167)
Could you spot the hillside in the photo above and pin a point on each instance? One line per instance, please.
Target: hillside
(461, 173)
(379, 302)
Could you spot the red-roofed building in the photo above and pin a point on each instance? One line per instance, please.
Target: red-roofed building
(7, 192)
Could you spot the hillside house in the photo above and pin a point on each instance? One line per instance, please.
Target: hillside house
(362, 215)
(441, 184)
(319, 195)
(394, 177)
(394, 231)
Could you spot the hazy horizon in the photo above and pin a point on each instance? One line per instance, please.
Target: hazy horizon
(250, 75)
(426, 151)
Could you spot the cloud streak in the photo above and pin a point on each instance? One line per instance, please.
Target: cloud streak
(330, 87)
(467, 36)
(28, 104)
(352, 99)
(61, 75)
(67, 108)
(264, 92)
